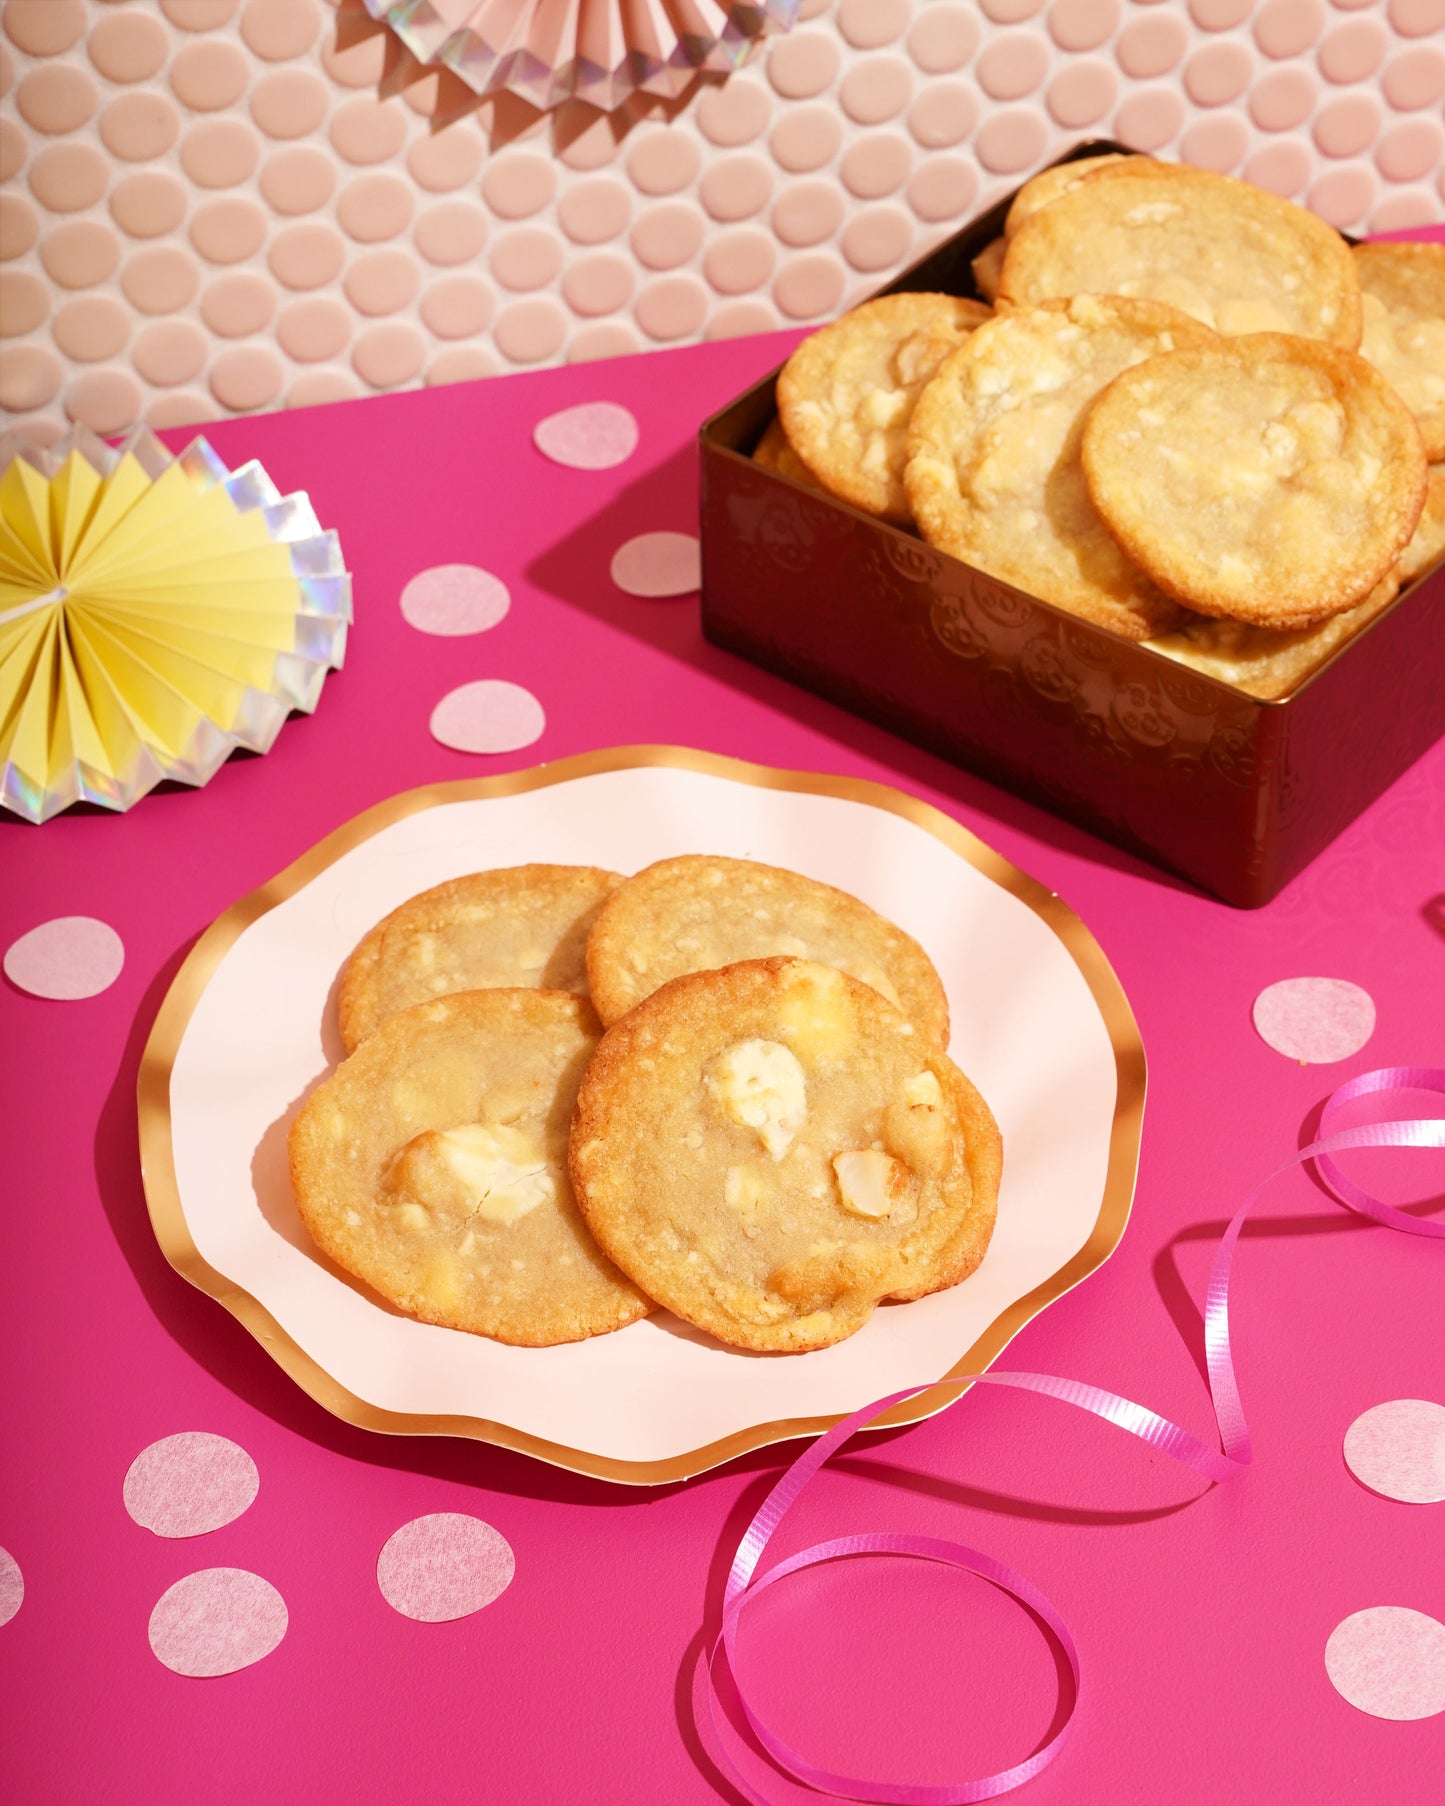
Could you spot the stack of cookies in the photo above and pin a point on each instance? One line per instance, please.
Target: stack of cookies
(717, 1086)
(1193, 415)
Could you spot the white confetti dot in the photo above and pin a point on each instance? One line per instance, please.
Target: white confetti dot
(489, 716)
(454, 599)
(596, 435)
(658, 564)
(1389, 1661)
(1398, 1450)
(68, 958)
(217, 1621)
(1315, 1020)
(187, 1484)
(12, 1586)
(444, 1566)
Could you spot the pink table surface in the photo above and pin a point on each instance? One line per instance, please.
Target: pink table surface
(1201, 1614)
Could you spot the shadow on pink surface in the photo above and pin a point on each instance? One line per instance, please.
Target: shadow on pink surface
(574, 570)
(1175, 1294)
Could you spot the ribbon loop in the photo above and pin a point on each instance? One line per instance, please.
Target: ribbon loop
(744, 1583)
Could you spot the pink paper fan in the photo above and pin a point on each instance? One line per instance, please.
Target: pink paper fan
(599, 51)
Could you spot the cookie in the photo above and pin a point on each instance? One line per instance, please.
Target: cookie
(1228, 254)
(526, 925)
(1403, 293)
(1268, 662)
(773, 452)
(697, 912)
(432, 1165)
(987, 267)
(845, 395)
(771, 1149)
(1268, 478)
(1050, 183)
(1427, 544)
(993, 454)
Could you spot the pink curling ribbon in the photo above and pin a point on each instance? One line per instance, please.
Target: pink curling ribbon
(744, 1584)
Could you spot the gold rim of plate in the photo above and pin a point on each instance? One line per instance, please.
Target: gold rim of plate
(168, 1218)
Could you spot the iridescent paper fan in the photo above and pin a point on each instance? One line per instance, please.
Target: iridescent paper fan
(155, 614)
(599, 51)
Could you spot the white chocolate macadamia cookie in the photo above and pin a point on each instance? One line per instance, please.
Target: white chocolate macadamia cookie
(1403, 293)
(993, 454)
(846, 393)
(1231, 255)
(1266, 478)
(698, 911)
(432, 1164)
(770, 1150)
(524, 925)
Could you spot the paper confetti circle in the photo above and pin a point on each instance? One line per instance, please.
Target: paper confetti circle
(1389, 1661)
(187, 1484)
(489, 716)
(1315, 1020)
(593, 436)
(454, 599)
(1398, 1450)
(658, 564)
(68, 958)
(12, 1586)
(444, 1566)
(216, 1621)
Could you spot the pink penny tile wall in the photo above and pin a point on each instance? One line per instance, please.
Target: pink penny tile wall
(211, 206)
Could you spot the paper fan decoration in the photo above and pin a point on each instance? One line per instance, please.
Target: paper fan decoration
(155, 614)
(599, 51)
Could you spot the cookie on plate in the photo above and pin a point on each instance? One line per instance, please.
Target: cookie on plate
(845, 395)
(525, 925)
(699, 911)
(1267, 478)
(770, 1150)
(1403, 294)
(1228, 254)
(432, 1164)
(993, 454)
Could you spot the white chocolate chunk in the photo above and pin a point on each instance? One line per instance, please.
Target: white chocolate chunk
(503, 1171)
(761, 1085)
(816, 1015)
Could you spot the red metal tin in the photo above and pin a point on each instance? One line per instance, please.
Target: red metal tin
(1233, 793)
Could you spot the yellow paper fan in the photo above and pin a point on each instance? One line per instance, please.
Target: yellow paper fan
(155, 614)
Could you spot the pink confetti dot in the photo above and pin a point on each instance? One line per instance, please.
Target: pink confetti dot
(187, 1484)
(658, 564)
(68, 958)
(489, 716)
(453, 599)
(444, 1566)
(12, 1586)
(1315, 1020)
(1389, 1661)
(593, 436)
(217, 1621)
(1398, 1450)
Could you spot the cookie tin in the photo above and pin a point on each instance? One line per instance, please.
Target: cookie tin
(1231, 792)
